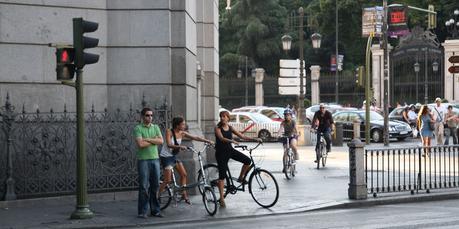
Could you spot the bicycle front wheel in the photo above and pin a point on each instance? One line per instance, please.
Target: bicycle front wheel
(324, 154)
(211, 172)
(263, 188)
(288, 167)
(210, 200)
(165, 197)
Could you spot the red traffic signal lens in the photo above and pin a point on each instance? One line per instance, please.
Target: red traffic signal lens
(65, 56)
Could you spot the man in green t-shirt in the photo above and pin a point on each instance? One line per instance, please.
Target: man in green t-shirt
(148, 137)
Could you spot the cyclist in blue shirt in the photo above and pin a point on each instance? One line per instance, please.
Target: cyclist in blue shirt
(323, 121)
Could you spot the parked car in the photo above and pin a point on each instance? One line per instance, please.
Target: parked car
(397, 129)
(333, 108)
(254, 125)
(274, 113)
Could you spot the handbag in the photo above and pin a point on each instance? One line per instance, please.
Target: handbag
(431, 126)
(175, 151)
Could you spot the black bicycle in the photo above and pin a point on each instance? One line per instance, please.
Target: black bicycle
(262, 185)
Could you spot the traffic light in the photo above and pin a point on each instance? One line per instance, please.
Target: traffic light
(432, 18)
(81, 42)
(65, 68)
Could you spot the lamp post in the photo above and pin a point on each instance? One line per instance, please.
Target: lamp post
(416, 69)
(286, 45)
(239, 75)
(452, 25)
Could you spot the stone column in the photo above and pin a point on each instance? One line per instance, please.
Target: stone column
(207, 46)
(377, 75)
(315, 87)
(357, 187)
(451, 83)
(259, 94)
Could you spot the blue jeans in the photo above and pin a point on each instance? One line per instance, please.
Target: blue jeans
(327, 137)
(148, 186)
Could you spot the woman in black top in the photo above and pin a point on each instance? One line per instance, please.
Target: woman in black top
(225, 151)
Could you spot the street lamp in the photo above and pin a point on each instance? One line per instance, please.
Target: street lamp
(416, 69)
(452, 25)
(286, 45)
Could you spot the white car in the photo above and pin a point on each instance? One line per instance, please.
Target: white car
(310, 111)
(254, 125)
(274, 113)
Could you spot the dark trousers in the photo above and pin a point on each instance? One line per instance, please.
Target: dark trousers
(327, 137)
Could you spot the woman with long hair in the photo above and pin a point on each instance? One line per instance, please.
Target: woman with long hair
(225, 151)
(425, 121)
(168, 154)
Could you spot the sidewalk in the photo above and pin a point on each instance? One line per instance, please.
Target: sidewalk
(311, 189)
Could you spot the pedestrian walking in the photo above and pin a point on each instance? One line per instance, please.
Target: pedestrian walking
(451, 125)
(148, 137)
(425, 123)
(439, 112)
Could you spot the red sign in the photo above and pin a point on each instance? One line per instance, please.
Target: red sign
(453, 69)
(453, 59)
(397, 17)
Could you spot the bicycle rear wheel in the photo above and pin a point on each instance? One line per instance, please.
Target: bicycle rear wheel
(318, 156)
(263, 188)
(165, 198)
(211, 172)
(210, 200)
(323, 154)
(293, 170)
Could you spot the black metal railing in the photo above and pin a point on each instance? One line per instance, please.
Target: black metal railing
(38, 151)
(411, 169)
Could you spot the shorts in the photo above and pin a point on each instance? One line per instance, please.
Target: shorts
(169, 162)
(284, 139)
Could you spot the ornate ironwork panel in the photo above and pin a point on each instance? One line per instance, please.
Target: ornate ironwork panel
(407, 85)
(44, 149)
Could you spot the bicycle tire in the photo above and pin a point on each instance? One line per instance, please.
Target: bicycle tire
(323, 154)
(318, 156)
(288, 166)
(210, 200)
(261, 182)
(212, 176)
(293, 170)
(165, 198)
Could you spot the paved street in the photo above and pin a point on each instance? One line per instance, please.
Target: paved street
(438, 214)
(311, 189)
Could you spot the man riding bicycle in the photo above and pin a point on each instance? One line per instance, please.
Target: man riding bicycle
(288, 128)
(323, 122)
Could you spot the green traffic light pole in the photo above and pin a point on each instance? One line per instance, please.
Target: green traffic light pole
(82, 210)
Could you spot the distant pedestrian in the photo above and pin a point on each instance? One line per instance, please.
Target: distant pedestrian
(425, 121)
(439, 112)
(148, 137)
(451, 125)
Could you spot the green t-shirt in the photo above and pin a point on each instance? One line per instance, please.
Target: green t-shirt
(152, 131)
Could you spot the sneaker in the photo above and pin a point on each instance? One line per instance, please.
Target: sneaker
(242, 181)
(142, 216)
(159, 215)
(315, 161)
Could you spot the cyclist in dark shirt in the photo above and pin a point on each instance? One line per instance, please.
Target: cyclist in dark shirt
(323, 121)
(225, 151)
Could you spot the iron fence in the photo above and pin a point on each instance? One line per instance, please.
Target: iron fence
(42, 150)
(411, 169)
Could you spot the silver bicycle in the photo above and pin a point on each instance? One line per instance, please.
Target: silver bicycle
(173, 191)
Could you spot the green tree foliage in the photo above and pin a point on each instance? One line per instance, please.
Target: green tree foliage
(254, 28)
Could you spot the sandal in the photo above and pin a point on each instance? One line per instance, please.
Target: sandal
(188, 201)
(222, 204)
(244, 182)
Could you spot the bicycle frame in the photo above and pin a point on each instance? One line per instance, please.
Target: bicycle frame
(204, 181)
(231, 188)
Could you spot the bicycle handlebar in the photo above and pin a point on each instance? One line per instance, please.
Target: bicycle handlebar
(202, 150)
(245, 147)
